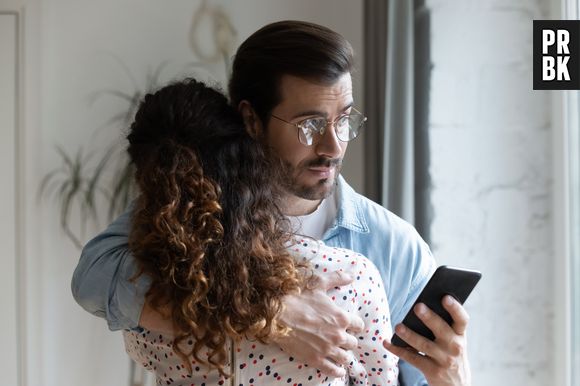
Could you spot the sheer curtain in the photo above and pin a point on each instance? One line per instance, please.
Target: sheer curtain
(396, 77)
(396, 101)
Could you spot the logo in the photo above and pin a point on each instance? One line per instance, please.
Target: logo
(556, 54)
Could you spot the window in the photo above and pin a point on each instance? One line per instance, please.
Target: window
(573, 12)
(574, 178)
(573, 206)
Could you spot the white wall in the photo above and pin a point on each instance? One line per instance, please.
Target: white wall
(491, 167)
(79, 47)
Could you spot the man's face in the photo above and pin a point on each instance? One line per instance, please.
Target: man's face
(312, 170)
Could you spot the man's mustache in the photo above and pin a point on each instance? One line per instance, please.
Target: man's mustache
(324, 162)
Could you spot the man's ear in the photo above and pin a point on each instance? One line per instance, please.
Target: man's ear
(251, 120)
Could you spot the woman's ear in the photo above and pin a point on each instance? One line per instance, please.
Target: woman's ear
(251, 120)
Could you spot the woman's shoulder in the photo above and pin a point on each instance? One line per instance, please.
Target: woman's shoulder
(325, 258)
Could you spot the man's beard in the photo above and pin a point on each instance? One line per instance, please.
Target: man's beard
(321, 189)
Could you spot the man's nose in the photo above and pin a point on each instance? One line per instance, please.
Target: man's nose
(329, 145)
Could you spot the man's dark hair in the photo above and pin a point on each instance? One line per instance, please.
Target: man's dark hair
(297, 48)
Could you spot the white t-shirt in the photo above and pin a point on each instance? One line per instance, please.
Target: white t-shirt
(316, 224)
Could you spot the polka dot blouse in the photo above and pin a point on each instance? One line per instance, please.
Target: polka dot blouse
(254, 363)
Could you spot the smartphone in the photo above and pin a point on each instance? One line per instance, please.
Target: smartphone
(457, 282)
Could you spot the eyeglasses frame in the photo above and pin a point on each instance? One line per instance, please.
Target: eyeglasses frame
(300, 128)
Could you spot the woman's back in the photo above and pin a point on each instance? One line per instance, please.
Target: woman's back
(207, 212)
(254, 363)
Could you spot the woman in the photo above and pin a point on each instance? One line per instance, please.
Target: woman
(208, 231)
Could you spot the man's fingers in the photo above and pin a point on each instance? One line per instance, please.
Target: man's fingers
(328, 281)
(355, 324)
(328, 367)
(340, 357)
(445, 361)
(410, 356)
(420, 343)
(458, 313)
(350, 342)
(442, 331)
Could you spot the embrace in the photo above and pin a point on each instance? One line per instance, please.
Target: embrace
(246, 257)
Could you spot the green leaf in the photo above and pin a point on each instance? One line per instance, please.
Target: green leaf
(45, 183)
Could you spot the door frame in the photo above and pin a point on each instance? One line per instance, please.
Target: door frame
(19, 321)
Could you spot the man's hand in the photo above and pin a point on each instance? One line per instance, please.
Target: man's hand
(445, 361)
(319, 335)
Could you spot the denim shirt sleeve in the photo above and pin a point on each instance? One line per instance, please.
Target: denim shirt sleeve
(410, 376)
(418, 273)
(102, 281)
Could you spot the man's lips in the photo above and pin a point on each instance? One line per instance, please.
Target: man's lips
(321, 168)
(322, 171)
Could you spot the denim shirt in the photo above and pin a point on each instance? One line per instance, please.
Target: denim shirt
(102, 287)
(402, 257)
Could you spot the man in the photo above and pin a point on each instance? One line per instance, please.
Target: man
(291, 82)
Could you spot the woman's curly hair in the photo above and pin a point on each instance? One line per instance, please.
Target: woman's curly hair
(206, 226)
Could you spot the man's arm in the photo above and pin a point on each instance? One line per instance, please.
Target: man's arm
(101, 285)
(101, 281)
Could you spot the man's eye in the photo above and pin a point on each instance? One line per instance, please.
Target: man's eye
(343, 121)
(314, 124)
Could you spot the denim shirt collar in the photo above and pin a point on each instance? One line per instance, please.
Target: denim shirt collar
(350, 214)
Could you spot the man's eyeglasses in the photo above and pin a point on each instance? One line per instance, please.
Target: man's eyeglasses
(346, 126)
